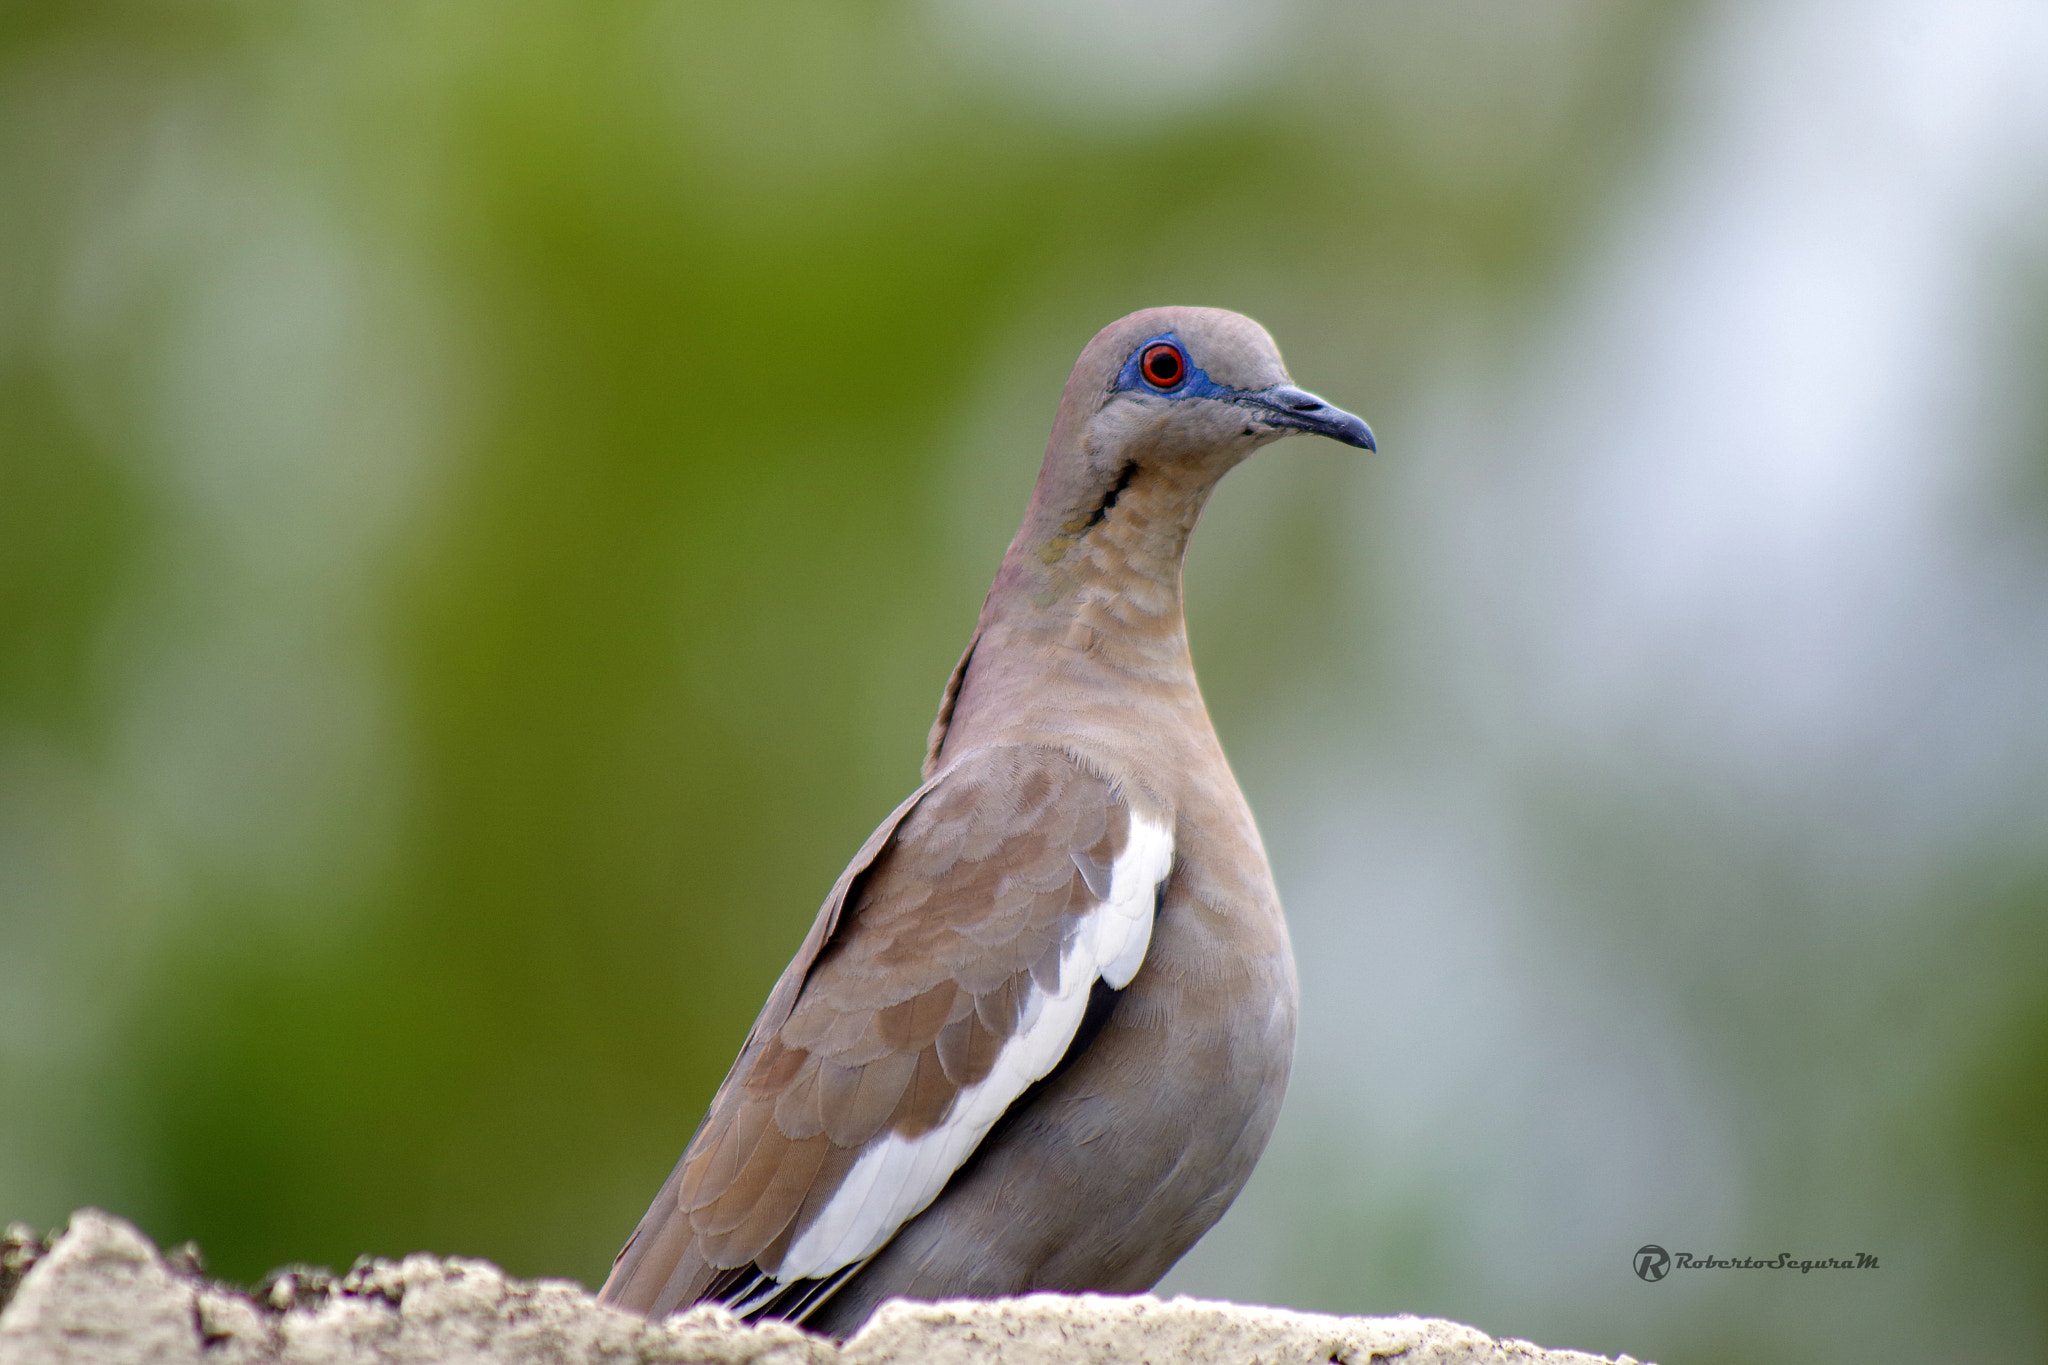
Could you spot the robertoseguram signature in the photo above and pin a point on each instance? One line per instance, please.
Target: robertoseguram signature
(1653, 1263)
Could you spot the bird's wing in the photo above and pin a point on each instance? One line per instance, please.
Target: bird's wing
(951, 971)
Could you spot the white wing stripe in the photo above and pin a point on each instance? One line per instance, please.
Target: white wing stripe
(1124, 920)
(896, 1177)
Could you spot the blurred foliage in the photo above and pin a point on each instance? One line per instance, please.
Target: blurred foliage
(688, 292)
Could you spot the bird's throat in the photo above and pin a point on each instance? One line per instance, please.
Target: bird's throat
(1088, 599)
(1111, 559)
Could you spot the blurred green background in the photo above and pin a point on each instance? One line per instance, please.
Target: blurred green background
(489, 496)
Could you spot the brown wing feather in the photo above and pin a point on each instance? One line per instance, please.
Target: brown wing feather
(899, 999)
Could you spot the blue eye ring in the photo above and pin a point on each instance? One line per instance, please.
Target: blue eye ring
(1163, 366)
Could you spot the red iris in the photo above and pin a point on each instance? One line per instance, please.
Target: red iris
(1163, 365)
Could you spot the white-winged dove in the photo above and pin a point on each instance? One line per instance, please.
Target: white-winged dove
(1039, 1032)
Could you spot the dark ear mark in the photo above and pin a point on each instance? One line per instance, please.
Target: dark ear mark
(1123, 481)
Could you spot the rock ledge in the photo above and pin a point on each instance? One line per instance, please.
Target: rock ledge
(102, 1295)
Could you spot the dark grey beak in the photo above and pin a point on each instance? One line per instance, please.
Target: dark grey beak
(1283, 405)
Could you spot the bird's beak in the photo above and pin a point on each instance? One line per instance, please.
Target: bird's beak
(1283, 405)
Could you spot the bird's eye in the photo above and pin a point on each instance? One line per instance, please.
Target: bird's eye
(1163, 365)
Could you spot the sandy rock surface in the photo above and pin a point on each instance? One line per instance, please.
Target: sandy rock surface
(102, 1295)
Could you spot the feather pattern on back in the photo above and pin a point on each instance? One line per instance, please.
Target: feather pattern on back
(957, 975)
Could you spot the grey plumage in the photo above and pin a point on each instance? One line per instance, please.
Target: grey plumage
(1040, 1031)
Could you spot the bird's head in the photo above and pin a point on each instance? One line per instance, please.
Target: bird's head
(1161, 405)
(1202, 385)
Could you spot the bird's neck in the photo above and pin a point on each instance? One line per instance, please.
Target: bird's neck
(1085, 615)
